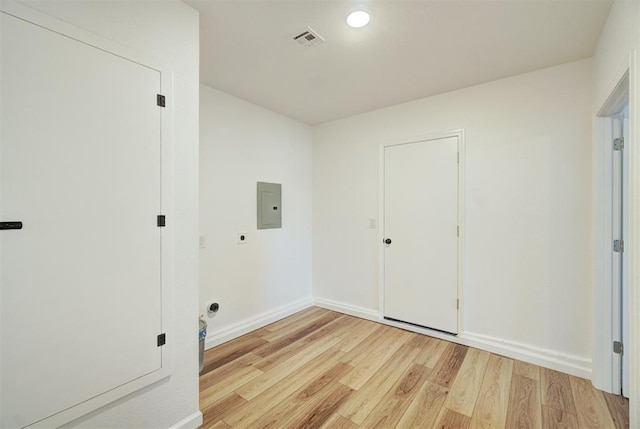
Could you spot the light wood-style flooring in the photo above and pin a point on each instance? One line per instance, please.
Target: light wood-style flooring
(321, 369)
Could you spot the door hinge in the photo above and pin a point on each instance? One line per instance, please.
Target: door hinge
(618, 143)
(618, 246)
(162, 339)
(618, 347)
(162, 220)
(458, 158)
(458, 230)
(458, 304)
(160, 100)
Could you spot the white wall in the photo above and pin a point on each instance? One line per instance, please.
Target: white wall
(168, 31)
(528, 213)
(270, 275)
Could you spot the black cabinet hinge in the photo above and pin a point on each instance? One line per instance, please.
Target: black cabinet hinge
(161, 100)
(162, 339)
(162, 220)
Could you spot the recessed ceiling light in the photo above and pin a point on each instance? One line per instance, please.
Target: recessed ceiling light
(358, 19)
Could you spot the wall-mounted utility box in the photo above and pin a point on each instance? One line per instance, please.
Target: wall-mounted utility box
(269, 205)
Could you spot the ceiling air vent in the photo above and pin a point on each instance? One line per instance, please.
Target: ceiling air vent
(308, 38)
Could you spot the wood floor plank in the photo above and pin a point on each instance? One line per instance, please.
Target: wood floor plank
(312, 414)
(260, 333)
(362, 402)
(222, 373)
(278, 392)
(322, 381)
(339, 328)
(394, 404)
(527, 370)
(274, 335)
(234, 350)
(591, 408)
(302, 400)
(425, 407)
(229, 347)
(556, 391)
(382, 340)
(361, 329)
(340, 324)
(524, 403)
(218, 425)
(304, 315)
(448, 365)
(339, 422)
(220, 390)
(619, 409)
(365, 368)
(493, 400)
(271, 377)
(220, 409)
(452, 420)
(466, 386)
(323, 411)
(431, 352)
(418, 340)
(301, 332)
(365, 344)
(553, 418)
(280, 355)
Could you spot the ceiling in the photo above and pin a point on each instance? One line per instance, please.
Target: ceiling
(409, 50)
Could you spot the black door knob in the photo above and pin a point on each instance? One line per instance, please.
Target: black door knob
(387, 241)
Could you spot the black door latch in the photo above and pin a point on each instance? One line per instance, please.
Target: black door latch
(10, 225)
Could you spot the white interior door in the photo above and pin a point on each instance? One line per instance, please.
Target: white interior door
(421, 232)
(80, 168)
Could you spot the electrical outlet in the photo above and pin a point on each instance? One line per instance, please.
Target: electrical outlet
(242, 238)
(372, 223)
(202, 241)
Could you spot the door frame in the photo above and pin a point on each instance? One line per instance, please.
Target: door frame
(634, 237)
(604, 367)
(459, 134)
(27, 14)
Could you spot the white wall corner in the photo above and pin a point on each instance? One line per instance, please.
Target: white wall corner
(352, 310)
(193, 421)
(217, 337)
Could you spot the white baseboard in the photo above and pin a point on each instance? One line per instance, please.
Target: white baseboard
(236, 330)
(194, 421)
(352, 310)
(568, 364)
